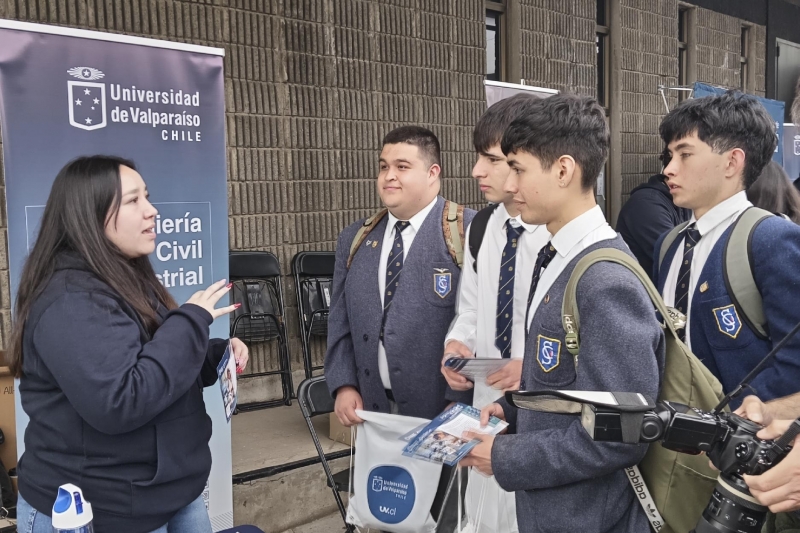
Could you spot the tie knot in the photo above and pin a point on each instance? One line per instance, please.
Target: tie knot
(401, 225)
(513, 231)
(547, 251)
(692, 235)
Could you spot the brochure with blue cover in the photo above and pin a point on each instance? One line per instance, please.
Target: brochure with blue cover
(226, 370)
(442, 440)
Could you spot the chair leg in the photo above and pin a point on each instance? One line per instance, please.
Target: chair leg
(328, 473)
(287, 367)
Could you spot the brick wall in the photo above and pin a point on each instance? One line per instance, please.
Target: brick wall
(557, 45)
(649, 58)
(311, 88)
(719, 48)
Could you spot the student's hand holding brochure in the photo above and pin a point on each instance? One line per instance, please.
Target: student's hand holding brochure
(442, 441)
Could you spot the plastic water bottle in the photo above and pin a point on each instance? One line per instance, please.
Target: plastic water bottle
(71, 512)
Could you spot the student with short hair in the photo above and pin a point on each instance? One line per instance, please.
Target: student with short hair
(393, 300)
(564, 481)
(719, 146)
(493, 297)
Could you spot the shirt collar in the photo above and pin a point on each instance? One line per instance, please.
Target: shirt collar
(503, 216)
(721, 212)
(575, 230)
(417, 220)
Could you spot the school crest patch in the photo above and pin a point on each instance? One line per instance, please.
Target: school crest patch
(548, 352)
(728, 320)
(442, 282)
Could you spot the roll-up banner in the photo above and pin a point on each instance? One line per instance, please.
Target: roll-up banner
(66, 93)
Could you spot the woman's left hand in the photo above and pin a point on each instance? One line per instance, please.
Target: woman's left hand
(241, 354)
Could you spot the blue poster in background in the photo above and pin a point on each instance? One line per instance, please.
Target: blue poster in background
(774, 107)
(66, 93)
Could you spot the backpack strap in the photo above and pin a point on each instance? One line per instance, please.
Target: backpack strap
(453, 230)
(477, 229)
(667, 242)
(738, 271)
(363, 231)
(570, 318)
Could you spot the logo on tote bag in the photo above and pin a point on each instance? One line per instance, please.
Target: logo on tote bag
(391, 494)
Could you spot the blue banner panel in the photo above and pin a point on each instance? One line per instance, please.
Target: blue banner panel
(774, 107)
(66, 93)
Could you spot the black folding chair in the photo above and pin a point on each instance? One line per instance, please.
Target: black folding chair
(314, 400)
(256, 278)
(313, 277)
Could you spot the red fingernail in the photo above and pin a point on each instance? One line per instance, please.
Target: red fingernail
(229, 285)
(238, 370)
(237, 306)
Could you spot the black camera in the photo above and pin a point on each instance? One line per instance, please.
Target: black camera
(729, 440)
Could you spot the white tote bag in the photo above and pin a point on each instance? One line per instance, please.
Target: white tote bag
(391, 492)
(489, 508)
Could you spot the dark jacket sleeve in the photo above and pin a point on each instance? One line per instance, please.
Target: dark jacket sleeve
(647, 216)
(94, 351)
(216, 349)
(776, 255)
(622, 349)
(340, 359)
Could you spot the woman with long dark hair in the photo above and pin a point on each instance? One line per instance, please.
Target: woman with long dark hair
(774, 192)
(111, 369)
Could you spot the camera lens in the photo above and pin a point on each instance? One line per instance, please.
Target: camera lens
(731, 509)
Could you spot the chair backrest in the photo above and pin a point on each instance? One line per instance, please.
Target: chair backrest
(253, 265)
(314, 397)
(313, 273)
(256, 278)
(314, 264)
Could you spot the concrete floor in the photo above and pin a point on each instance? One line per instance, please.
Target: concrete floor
(292, 501)
(276, 436)
(328, 524)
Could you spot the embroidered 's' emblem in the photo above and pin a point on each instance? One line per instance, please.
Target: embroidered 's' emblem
(442, 282)
(548, 352)
(728, 320)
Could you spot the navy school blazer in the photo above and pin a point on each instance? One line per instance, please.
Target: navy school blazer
(721, 337)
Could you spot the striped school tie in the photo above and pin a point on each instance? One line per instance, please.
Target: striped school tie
(394, 265)
(691, 238)
(505, 293)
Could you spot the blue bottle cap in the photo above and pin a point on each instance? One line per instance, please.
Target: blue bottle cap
(63, 501)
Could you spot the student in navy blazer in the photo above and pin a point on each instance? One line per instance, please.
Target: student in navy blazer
(719, 146)
(563, 480)
(388, 319)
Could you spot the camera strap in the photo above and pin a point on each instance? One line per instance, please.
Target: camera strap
(643, 495)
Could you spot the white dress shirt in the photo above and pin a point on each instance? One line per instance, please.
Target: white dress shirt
(476, 305)
(711, 227)
(577, 235)
(408, 235)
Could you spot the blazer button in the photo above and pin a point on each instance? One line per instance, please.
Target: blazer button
(366, 337)
(366, 371)
(375, 406)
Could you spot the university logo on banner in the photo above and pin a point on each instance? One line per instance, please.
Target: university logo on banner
(87, 99)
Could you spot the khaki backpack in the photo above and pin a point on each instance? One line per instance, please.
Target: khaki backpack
(452, 229)
(680, 484)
